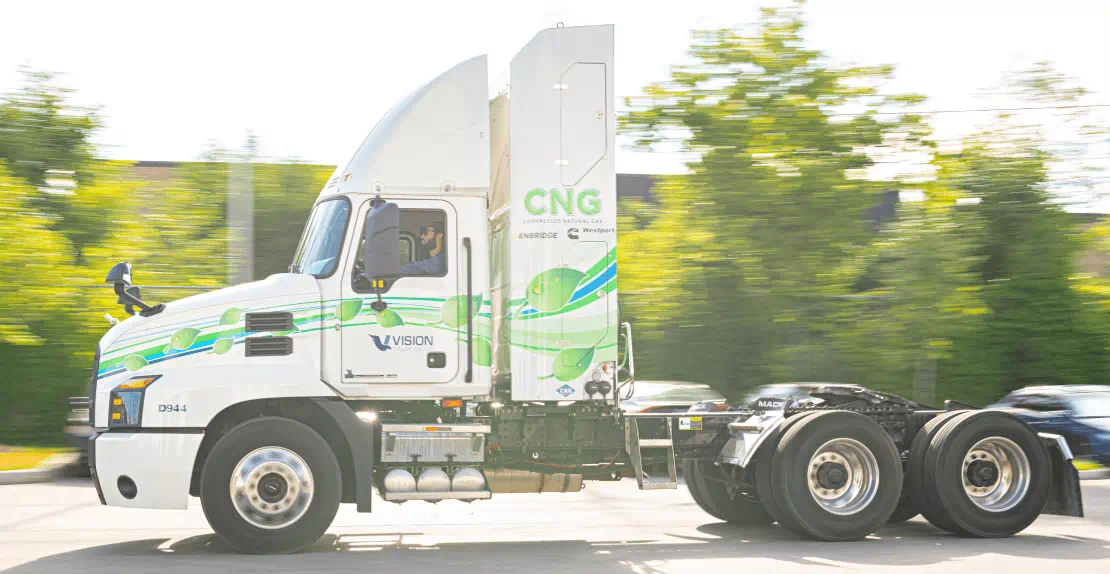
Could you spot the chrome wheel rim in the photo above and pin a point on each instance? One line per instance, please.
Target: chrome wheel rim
(855, 469)
(1011, 480)
(271, 487)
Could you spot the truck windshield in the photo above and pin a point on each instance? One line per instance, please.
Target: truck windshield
(318, 252)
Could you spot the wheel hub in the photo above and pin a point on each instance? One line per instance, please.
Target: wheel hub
(982, 473)
(271, 487)
(832, 475)
(996, 474)
(843, 476)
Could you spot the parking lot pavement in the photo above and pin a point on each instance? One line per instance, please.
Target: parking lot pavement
(610, 527)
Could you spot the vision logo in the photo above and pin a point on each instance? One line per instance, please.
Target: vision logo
(403, 342)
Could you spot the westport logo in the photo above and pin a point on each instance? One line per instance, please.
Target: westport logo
(403, 342)
(540, 201)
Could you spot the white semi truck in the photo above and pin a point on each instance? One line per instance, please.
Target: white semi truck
(449, 329)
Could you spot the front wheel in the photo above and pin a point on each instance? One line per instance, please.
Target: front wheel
(270, 486)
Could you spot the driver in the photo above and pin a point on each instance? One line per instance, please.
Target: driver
(433, 263)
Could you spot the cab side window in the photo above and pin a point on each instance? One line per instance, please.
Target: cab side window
(423, 247)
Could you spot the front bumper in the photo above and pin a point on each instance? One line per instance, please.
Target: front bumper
(160, 464)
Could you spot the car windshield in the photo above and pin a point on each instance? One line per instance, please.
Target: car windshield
(1091, 405)
(318, 252)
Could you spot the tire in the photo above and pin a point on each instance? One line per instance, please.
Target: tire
(765, 486)
(915, 470)
(839, 440)
(946, 471)
(713, 497)
(313, 497)
(905, 510)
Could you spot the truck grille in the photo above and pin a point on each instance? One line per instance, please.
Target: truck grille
(92, 387)
(269, 322)
(269, 346)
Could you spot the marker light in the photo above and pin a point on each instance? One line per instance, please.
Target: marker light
(368, 416)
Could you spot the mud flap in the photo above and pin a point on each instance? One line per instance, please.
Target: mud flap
(1065, 497)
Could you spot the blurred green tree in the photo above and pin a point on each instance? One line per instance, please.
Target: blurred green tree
(43, 131)
(744, 260)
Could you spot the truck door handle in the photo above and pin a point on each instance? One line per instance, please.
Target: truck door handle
(469, 315)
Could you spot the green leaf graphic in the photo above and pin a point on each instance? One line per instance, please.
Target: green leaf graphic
(348, 309)
(183, 339)
(453, 312)
(231, 316)
(389, 318)
(483, 352)
(222, 346)
(570, 363)
(550, 290)
(134, 362)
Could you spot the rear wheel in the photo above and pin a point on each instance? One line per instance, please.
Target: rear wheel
(270, 486)
(905, 510)
(915, 470)
(989, 472)
(710, 492)
(838, 475)
(765, 486)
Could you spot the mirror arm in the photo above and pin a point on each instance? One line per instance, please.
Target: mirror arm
(469, 314)
(144, 310)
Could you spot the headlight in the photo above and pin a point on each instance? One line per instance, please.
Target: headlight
(125, 403)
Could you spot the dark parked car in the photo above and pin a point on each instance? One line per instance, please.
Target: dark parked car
(1080, 413)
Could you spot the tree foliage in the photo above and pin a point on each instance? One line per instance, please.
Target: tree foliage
(749, 251)
(767, 262)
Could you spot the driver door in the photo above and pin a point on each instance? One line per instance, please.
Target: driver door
(410, 341)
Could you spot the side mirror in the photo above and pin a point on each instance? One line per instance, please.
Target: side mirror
(381, 256)
(127, 295)
(120, 273)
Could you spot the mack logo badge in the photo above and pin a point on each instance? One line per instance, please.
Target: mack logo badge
(565, 390)
(770, 404)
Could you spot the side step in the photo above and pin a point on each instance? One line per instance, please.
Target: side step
(634, 445)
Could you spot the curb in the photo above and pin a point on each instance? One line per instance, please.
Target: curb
(52, 468)
(1099, 474)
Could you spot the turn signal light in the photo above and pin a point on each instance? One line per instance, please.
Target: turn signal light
(137, 383)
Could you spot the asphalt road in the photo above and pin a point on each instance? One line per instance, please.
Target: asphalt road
(610, 527)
